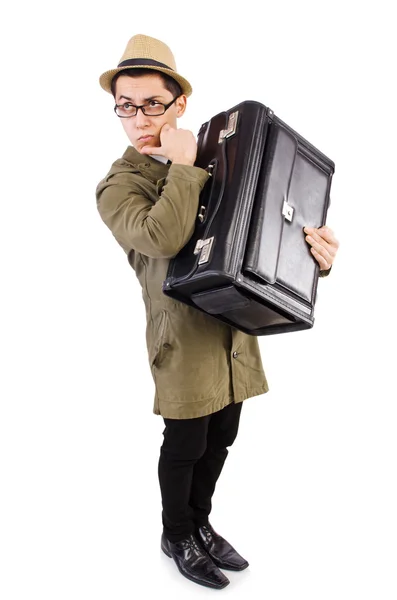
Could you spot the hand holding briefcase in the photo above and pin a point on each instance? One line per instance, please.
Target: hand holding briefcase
(247, 262)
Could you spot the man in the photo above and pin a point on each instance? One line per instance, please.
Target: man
(203, 369)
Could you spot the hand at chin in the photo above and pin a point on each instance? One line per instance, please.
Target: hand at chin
(152, 149)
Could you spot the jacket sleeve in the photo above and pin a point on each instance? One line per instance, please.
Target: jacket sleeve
(325, 273)
(157, 230)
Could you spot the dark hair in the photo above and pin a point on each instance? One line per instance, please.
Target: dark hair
(169, 83)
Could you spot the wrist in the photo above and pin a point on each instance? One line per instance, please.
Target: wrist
(182, 160)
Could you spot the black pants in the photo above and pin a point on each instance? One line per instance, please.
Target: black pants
(191, 460)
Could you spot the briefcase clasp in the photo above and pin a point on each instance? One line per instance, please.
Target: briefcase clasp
(231, 127)
(204, 246)
(288, 211)
(201, 214)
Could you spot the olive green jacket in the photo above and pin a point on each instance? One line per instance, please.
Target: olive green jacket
(198, 364)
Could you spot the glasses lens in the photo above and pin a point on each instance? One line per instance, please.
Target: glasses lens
(125, 110)
(153, 110)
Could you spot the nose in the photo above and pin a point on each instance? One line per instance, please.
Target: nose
(141, 120)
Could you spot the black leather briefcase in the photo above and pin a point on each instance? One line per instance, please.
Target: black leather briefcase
(247, 262)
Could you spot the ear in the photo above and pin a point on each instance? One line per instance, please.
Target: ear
(180, 105)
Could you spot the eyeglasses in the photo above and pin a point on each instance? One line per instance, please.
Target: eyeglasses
(152, 109)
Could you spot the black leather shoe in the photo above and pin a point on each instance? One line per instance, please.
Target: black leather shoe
(194, 563)
(220, 551)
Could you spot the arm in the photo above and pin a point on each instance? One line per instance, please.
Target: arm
(157, 230)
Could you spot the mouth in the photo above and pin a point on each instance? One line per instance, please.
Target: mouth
(145, 138)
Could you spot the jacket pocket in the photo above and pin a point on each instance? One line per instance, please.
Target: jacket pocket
(159, 335)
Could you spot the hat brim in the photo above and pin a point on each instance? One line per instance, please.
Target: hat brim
(105, 79)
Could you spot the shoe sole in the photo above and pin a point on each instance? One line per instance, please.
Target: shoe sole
(214, 587)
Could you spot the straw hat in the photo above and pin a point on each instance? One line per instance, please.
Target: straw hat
(144, 52)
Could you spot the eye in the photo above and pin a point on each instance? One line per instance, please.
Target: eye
(127, 106)
(153, 103)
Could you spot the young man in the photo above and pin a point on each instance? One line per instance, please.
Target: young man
(203, 369)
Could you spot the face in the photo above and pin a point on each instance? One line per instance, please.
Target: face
(141, 129)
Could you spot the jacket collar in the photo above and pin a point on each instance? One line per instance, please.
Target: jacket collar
(150, 168)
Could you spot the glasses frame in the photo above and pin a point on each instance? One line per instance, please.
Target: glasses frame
(142, 107)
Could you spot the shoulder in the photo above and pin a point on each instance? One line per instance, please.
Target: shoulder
(121, 172)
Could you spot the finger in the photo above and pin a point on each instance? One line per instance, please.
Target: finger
(321, 247)
(151, 150)
(324, 264)
(327, 234)
(166, 127)
(316, 240)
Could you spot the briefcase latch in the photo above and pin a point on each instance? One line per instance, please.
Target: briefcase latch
(204, 246)
(288, 211)
(201, 214)
(231, 127)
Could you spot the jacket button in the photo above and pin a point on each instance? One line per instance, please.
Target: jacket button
(235, 354)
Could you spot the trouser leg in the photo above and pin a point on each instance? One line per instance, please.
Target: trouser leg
(184, 444)
(222, 431)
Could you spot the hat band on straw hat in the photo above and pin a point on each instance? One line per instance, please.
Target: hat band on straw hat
(143, 61)
(150, 54)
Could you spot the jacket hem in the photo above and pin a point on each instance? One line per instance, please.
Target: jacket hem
(173, 410)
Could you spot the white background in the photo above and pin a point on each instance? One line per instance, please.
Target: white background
(308, 493)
